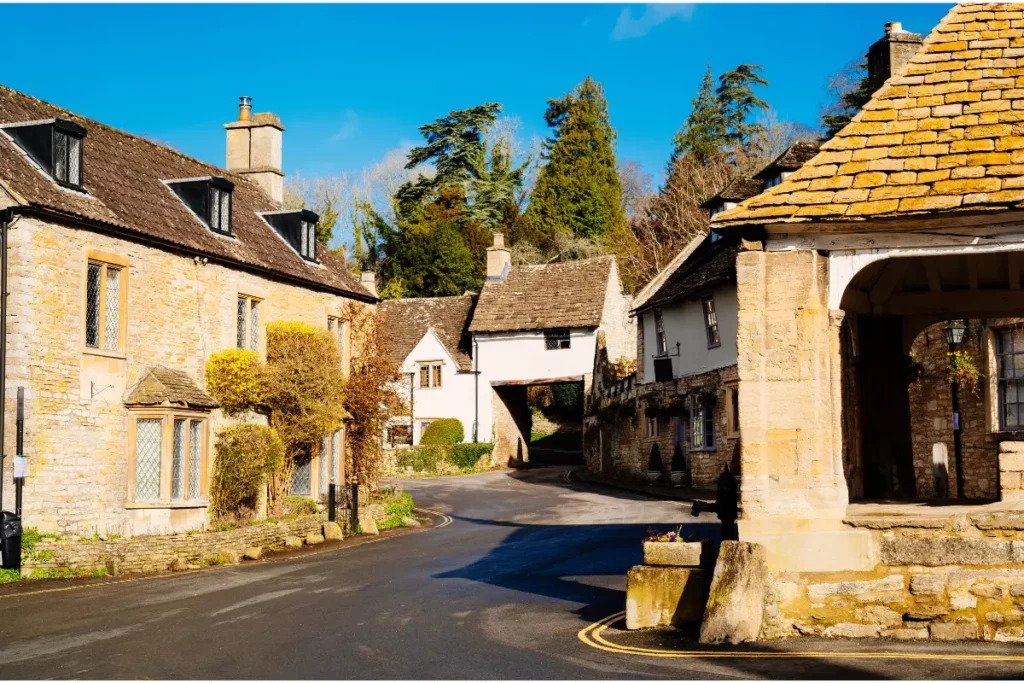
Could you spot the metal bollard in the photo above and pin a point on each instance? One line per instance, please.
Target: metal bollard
(332, 513)
(355, 508)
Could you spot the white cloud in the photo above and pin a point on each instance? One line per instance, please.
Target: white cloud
(349, 126)
(627, 27)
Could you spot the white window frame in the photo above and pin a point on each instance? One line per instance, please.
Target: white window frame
(702, 425)
(435, 371)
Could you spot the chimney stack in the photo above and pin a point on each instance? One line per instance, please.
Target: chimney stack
(254, 148)
(368, 280)
(890, 54)
(499, 259)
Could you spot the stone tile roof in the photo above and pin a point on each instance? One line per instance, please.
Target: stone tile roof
(160, 386)
(736, 191)
(407, 320)
(944, 136)
(123, 174)
(794, 157)
(710, 264)
(545, 297)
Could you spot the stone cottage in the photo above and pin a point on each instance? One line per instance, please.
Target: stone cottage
(129, 264)
(901, 232)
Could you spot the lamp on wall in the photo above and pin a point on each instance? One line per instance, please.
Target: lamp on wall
(954, 332)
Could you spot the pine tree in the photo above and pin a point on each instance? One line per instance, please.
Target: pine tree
(705, 133)
(737, 101)
(578, 191)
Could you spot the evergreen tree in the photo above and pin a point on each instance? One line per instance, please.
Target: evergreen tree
(705, 132)
(737, 101)
(850, 92)
(578, 191)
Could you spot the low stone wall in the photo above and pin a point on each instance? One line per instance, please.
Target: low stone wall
(158, 553)
(954, 578)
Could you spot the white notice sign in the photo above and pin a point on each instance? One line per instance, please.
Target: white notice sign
(20, 466)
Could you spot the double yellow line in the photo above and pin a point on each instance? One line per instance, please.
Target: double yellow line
(593, 636)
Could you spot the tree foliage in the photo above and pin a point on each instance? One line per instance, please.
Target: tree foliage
(246, 455)
(235, 378)
(578, 190)
(848, 92)
(704, 134)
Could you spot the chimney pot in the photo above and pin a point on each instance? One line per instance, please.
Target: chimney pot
(893, 27)
(244, 108)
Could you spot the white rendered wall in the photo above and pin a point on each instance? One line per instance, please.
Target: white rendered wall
(454, 398)
(684, 323)
(618, 325)
(522, 356)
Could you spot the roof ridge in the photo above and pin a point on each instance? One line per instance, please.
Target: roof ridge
(133, 136)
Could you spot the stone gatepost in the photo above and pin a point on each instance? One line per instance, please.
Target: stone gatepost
(794, 493)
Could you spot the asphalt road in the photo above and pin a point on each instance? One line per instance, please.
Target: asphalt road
(528, 560)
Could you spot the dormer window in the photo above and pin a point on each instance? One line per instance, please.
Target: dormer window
(209, 199)
(55, 145)
(297, 228)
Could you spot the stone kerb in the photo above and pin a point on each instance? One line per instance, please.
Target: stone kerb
(158, 553)
(1011, 470)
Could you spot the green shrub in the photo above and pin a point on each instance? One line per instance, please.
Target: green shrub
(9, 576)
(466, 455)
(398, 507)
(295, 506)
(246, 455)
(568, 396)
(442, 432)
(421, 458)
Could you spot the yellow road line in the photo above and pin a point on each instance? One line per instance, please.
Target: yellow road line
(445, 519)
(592, 636)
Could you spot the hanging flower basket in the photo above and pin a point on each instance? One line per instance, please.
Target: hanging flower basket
(963, 372)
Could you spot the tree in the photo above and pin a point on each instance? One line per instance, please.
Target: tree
(578, 190)
(738, 102)
(323, 196)
(848, 92)
(705, 131)
(637, 187)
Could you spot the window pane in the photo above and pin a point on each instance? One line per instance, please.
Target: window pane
(92, 307)
(225, 212)
(709, 428)
(215, 208)
(437, 375)
(60, 157)
(147, 459)
(335, 456)
(75, 161)
(113, 305)
(254, 325)
(178, 461)
(330, 324)
(324, 456)
(341, 338)
(424, 376)
(195, 457)
(240, 335)
(300, 477)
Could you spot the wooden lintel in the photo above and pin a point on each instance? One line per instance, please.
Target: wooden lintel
(888, 280)
(979, 304)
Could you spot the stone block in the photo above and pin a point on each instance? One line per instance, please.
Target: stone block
(228, 556)
(882, 616)
(906, 633)
(963, 601)
(786, 591)
(292, 542)
(936, 552)
(178, 564)
(928, 613)
(848, 630)
(314, 539)
(410, 521)
(959, 631)
(820, 591)
(927, 584)
(253, 553)
(987, 590)
(367, 524)
(1009, 634)
(1017, 590)
(664, 596)
(1010, 447)
(672, 554)
(735, 606)
(332, 531)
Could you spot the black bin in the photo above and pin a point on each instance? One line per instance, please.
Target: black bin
(10, 540)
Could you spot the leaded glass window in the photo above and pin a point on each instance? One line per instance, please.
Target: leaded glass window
(248, 323)
(337, 327)
(1011, 379)
(195, 457)
(301, 477)
(323, 464)
(335, 457)
(113, 309)
(60, 156)
(711, 322)
(254, 325)
(148, 447)
(67, 158)
(243, 304)
(220, 210)
(178, 461)
(92, 306)
(702, 426)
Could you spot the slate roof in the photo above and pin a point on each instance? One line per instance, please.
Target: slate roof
(710, 264)
(736, 191)
(160, 386)
(944, 136)
(794, 157)
(122, 176)
(545, 297)
(407, 320)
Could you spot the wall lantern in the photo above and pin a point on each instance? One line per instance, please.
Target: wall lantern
(954, 331)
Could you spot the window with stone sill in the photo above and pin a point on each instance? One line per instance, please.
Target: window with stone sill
(702, 425)
(168, 457)
(430, 375)
(247, 331)
(105, 304)
(336, 326)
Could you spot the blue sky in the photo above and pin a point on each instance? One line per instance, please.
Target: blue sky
(351, 82)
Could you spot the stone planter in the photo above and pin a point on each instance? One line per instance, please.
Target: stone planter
(664, 554)
(664, 596)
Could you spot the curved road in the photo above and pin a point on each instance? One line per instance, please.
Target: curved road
(528, 560)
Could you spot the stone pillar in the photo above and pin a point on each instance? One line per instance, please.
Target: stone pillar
(794, 493)
(511, 422)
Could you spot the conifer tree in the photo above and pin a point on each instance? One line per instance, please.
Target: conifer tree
(737, 101)
(578, 191)
(704, 133)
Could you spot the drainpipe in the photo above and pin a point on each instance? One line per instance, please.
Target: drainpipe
(476, 390)
(412, 409)
(6, 216)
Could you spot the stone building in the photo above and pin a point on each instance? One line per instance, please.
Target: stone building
(682, 423)
(129, 264)
(903, 225)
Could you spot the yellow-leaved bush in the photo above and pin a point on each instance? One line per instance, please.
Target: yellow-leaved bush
(235, 378)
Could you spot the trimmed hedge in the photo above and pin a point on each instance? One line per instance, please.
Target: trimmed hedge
(447, 430)
(421, 458)
(466, 455)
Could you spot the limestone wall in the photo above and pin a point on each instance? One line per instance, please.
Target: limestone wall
(943, 578)
(179, 312)
(158, 553)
